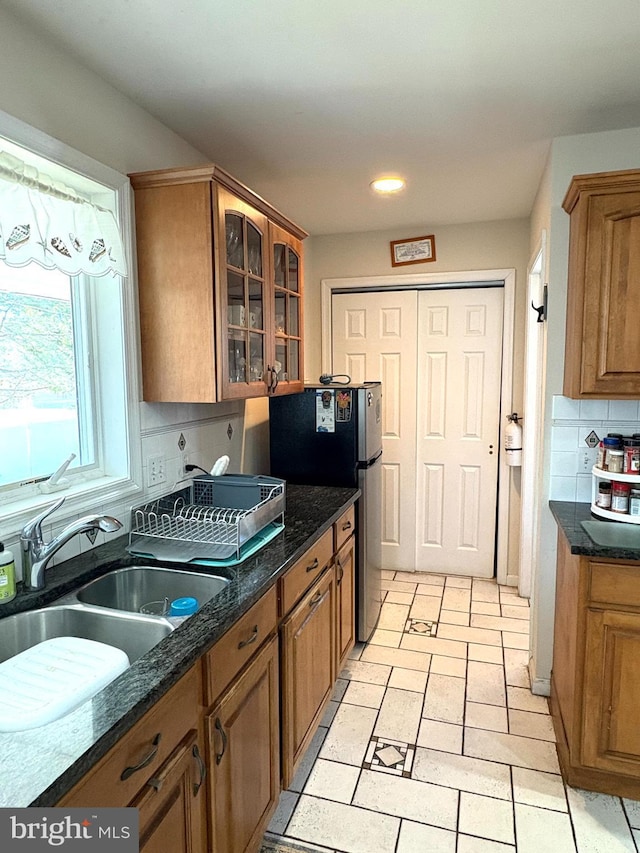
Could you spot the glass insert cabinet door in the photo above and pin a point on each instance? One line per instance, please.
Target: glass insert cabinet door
(287, 309)
(243, 300)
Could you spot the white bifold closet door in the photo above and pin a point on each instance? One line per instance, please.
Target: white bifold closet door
(438, 355)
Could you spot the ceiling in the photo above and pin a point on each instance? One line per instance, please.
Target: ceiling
(308, 102)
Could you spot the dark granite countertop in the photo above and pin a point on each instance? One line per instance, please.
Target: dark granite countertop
(568, 516)
(39, 766)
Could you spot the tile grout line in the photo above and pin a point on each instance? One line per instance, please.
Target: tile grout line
(428, 673)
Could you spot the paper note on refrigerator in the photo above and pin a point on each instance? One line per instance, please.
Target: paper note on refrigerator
(325, 410)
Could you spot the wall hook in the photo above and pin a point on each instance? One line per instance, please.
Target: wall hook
(540, 310)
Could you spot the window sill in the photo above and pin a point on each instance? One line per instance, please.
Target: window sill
(80, 498)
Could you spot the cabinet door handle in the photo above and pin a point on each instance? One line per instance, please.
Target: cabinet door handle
(313, 566)
(201, 767)
(272, 379)
(218, 726)
(129, 771)
(317, 598)
(346, 525)
(252, 638)
(340, 571)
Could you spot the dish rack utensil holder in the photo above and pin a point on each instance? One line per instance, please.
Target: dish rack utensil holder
(212, 523)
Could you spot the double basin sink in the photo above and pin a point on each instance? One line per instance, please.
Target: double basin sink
(108, 610)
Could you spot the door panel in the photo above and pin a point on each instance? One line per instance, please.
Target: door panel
(458, 414)
(438, 354)
(374, 338)
(610, 735)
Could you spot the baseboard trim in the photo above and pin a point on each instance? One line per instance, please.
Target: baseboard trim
(512, 580)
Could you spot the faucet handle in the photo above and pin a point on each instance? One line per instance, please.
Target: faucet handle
(33, 528)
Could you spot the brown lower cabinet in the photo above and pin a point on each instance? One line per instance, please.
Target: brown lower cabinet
(170, 805)
(308, 669)
(206, 764)
(244, 755)
(595, 689)
(159, 768)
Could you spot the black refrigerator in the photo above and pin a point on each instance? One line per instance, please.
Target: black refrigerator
(331, 435)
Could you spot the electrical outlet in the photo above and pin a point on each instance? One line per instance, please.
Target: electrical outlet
(185, 462)
(156, 470)
(587, 457)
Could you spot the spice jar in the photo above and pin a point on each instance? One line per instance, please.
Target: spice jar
(631, 456)
(609, 443)
(603, 499)
(620, 496)
(634, 502)
(615, 461)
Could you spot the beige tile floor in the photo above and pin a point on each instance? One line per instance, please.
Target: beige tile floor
(433, 742)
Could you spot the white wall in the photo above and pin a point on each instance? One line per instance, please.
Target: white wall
(475, 246)
(50, 91)
(570, 155)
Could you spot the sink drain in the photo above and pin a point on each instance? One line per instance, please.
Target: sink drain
(155, 608)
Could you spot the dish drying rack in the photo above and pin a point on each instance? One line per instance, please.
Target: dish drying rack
(215, 518)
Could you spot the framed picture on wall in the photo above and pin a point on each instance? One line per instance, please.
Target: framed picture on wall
(414, 250)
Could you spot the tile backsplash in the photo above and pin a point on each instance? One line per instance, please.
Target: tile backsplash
(207, 435)
(572, 421)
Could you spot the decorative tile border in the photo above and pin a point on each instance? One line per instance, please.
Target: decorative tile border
(421, 626)
(389, 756)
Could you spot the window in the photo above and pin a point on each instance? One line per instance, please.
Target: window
(46, 393)
(68, 380)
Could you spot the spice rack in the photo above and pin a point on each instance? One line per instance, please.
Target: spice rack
(600, 474)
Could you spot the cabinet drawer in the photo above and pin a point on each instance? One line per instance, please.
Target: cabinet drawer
(615, 584)
(303, 573)
(143, 749)
(343, 528)
(230, 654)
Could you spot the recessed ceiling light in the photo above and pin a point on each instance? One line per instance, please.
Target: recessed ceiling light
(388, 185)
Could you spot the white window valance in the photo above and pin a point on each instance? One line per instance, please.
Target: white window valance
(43, 220)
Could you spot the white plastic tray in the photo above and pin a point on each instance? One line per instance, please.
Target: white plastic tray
(52, 678)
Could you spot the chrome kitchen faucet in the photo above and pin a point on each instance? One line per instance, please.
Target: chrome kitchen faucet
(37, 552)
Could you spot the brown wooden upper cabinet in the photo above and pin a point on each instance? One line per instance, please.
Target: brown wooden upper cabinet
(602, 350)
(286, 290)
(220, 289)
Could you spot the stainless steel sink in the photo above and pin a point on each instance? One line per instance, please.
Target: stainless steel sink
(136, 587)
(135, 635)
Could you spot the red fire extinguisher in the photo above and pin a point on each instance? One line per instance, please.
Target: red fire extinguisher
(513, 440)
